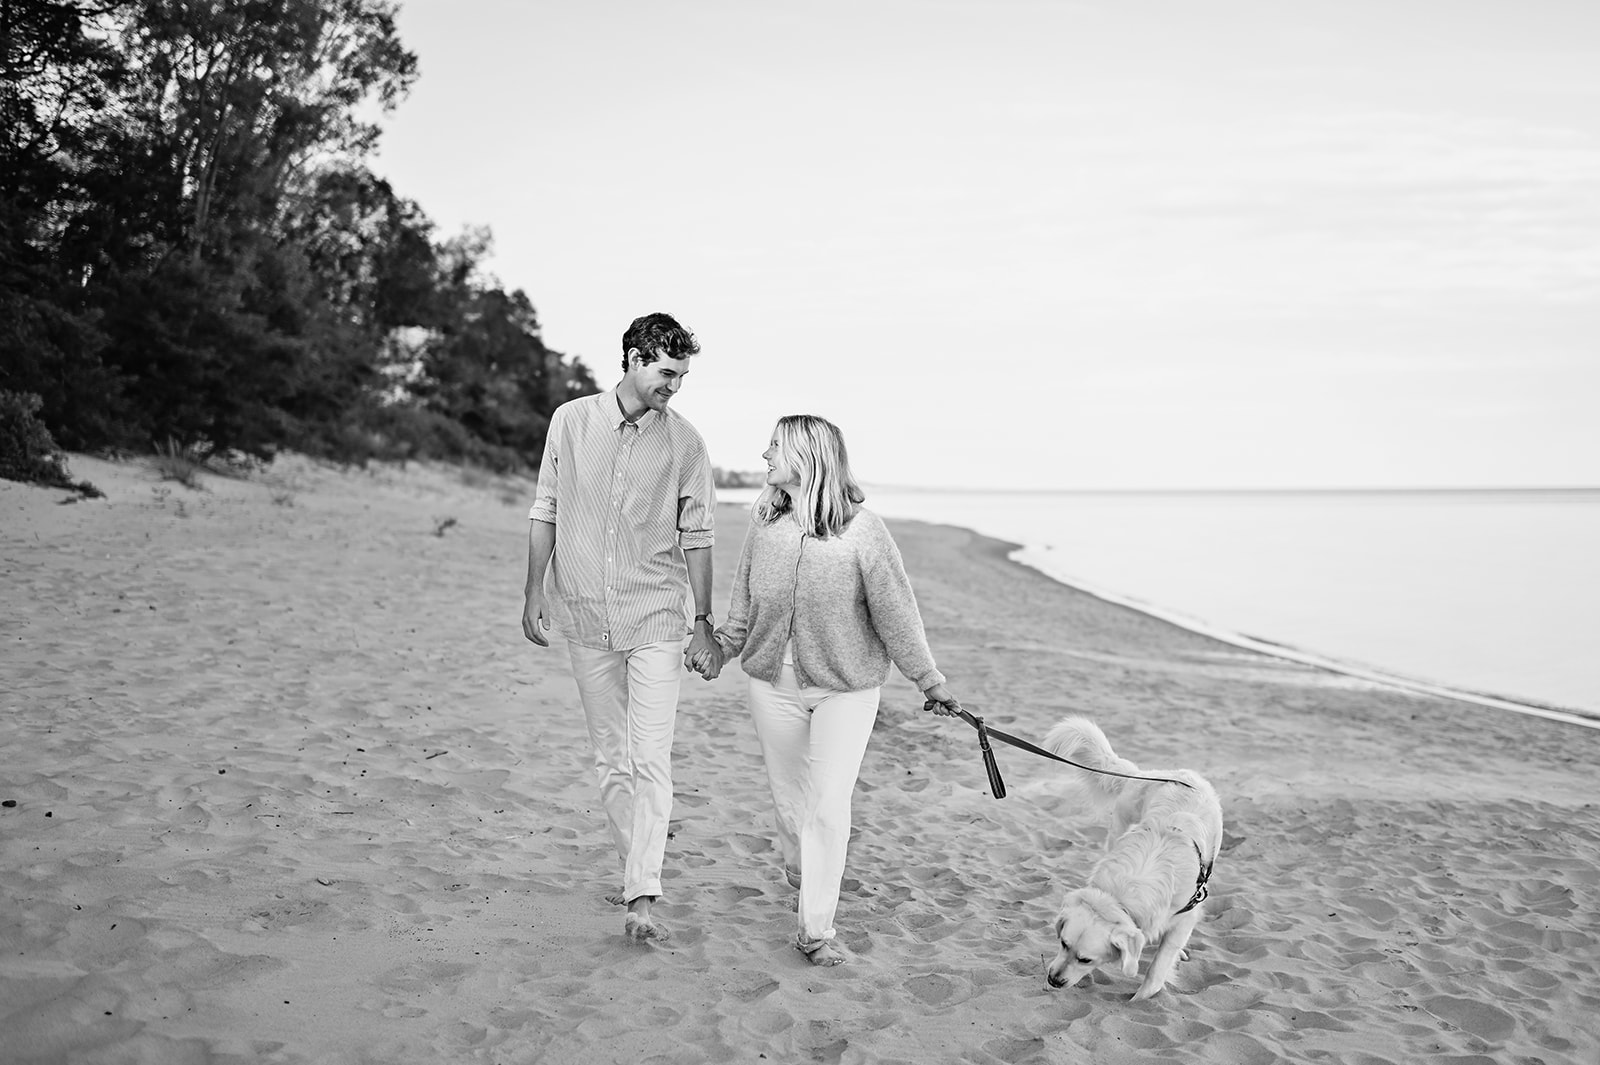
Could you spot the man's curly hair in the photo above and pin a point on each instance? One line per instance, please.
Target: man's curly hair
(656, 336)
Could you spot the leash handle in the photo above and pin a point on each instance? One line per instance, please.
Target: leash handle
(997, 785)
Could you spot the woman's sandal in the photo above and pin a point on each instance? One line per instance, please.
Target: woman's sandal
(819, 952)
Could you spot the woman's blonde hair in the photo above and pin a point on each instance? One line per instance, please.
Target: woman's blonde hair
(828, 496)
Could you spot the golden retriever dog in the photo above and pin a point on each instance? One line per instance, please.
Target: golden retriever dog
(1150, 885)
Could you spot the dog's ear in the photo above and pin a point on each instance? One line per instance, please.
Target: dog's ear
(1130, 941)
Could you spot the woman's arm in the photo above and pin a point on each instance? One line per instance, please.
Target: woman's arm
(735, 628)
(893, 608)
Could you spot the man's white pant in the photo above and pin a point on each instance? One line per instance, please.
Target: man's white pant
(630, 702)
(813, 740)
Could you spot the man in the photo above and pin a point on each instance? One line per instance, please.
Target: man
(622, 519)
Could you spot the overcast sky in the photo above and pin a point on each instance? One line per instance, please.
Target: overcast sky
(1054, 245)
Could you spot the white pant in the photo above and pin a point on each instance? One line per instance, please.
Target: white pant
(813, 740)
(630, 702)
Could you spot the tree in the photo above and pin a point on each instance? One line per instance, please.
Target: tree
(193, 248)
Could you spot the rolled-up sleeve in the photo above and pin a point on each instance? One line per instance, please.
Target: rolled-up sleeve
(697, 502)
(547, 489)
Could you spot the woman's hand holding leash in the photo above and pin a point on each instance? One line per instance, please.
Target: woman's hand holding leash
(941, 702)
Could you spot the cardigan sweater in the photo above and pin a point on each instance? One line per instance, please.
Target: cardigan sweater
(843, 600)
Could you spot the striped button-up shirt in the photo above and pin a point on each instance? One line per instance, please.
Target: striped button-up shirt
(627, 499)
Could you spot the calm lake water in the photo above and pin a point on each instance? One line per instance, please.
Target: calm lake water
(1491, 592)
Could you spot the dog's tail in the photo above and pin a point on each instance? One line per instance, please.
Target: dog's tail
(1081, 740)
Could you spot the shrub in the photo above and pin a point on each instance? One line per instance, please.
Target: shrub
(181, 463)
(27, 451)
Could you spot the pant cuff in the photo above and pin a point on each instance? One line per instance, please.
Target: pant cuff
(651, 890)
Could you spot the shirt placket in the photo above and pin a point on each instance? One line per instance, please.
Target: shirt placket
(628, 433)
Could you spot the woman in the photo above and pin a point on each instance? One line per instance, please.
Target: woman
(821, 606)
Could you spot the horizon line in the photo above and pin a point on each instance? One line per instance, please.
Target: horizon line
(1224, 490)
(1276, 490)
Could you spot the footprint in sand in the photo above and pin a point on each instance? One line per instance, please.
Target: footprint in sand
(748, 846)
(758, 990)
(1372, 908)
(727, 896)
(935, 990)
(1489, 1023)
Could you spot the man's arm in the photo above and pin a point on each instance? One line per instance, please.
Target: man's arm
(699, 560)
(541, 545)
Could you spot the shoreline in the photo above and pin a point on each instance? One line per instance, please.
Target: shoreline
(285, 784)
(1037, 557)
(1026, 556)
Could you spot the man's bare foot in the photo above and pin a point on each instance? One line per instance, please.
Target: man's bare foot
(642, 927)
(616, 898)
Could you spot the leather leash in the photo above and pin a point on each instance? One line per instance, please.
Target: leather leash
(997, 786)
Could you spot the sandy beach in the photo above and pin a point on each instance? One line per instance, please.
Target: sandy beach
(284, 783)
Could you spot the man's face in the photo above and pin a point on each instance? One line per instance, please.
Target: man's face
(655, 383)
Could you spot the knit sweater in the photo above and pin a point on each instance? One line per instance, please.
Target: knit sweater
(844, 600)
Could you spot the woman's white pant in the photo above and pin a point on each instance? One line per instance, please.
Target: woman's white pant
(813, 740)
(630, 702)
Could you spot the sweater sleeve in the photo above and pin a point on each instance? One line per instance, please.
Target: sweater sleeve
(735, 629)
(894, 611)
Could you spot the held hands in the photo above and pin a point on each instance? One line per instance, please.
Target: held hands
(941, 702)
(704, 654)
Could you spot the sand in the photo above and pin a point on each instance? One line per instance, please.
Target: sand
(285, 784)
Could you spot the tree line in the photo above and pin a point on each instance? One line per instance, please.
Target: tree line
(195, 252)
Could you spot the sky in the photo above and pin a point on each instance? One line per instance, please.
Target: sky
(1049, 245)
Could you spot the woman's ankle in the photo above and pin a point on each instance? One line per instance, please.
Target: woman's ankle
(819, 951)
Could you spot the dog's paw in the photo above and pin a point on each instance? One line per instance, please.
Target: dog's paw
(1148, 991)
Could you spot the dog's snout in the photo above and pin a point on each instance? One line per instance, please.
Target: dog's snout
(1054, 980)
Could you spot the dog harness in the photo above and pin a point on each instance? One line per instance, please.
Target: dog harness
(1200, 881)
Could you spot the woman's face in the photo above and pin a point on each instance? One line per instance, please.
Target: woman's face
(780, 472)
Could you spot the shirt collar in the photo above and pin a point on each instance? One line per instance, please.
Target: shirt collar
(621, 419)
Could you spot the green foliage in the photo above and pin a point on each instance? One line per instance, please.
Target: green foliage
(192, 249)
(27, 451)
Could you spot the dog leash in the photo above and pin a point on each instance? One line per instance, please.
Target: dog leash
(997, 786)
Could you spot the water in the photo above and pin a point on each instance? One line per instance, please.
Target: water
(1491, 592)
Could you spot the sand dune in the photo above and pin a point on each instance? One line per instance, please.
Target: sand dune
(287, 785)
